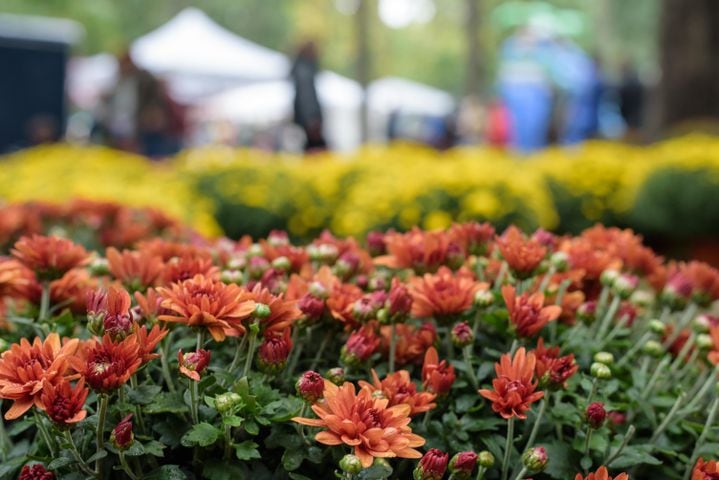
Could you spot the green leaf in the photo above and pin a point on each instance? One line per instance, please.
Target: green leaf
(135, 450)
(251, 427)
(144, 394)
(247, 450)
(232, 421)
(97, 456)
(635, 455)
(154, 448)
(375, 472)
(221, 470)
(166, 402)
(297, 476)
(59, 463)
(167, 472)
(560, 466)
(202, 434)
(292, 459)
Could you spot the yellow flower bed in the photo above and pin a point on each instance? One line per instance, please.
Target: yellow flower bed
(377, 187)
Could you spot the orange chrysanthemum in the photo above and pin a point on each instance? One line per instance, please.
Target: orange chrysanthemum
(49, 257)
(399, 388)
(148, 341)
(416, 249)
(437, 376)
(601, 474)
(527, 313)
(16, 280)
(283, 313)
(522, 254)
(704, 279)
(341, 298)
(443, 294)
(179, 269)
(137, 270)
(107, 365)
(368, 424)
(714, 354)
(411, 342)
(63, 403)
(149, 304)
(552, 369)
(705, 470)
(72, 289)
(25, 368)
(207, 303)
(514, 387)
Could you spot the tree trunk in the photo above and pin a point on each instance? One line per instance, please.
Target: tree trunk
(689, 45)
(362, 18)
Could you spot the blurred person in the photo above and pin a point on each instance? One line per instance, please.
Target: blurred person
(42, 129)
(307, 109)
(631, 100)
(498, 131)
(138, 114)
(470, 120)
(525, 88)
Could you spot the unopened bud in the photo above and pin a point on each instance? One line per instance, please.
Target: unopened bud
(608, 277)
(705, 342)
(642, 298)
(653, 348)
(484, 298)
(262, 310)
(99, 266)
(604, 357)
(462, 335)
(587, 312)
(310, 386)
(282, 264)
(122, 437)
(595, 414)
(624, 285)
(336, 375)
(462, 465)
(431, 466)
(600, 371)
(351, 464)
(231, 276)
(225, 403)
(656, 326)
(485, 459)
(535, 459)
(560, 261)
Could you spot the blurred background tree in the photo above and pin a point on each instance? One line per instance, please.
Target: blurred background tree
(435, 47)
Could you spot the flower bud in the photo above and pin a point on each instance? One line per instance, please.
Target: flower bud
(595, 414)
(347, 265)
(462, 465)
(455, 256)
(193, 364)
(484, 298)
(257, 266)
(277, 238)
(374, 283)
(624, 285)
(311, 306)
(616, 418)
(236, 263)
(604, 357)
(35, 472)
(716, 388)
(273, 353)
(351, 464)
(375, 243)
(336, 375)
(359, 347)
(656, 326)
(262, 311)
(705, 342)
(560, 261)
(431, 466)
(122, 437)
(231, 276)
(600, 371)
(99, 266)
(310, 386)
(704, 322)
(608, 277)
(535, 459)
(485, 459)
(462, 335)
(226, 402)
(118, 326)
(255, 250)
(653, 348)
(282, 264)
(399, 301)
(587, 312)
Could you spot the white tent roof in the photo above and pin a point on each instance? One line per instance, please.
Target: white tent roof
(270, 102)
(399, 94)
(192, 43)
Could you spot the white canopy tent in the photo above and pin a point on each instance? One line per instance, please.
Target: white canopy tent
(197, 56)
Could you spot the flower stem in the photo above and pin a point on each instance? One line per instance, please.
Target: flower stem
(44, 433)
(295, 354)
(44, 302)
(513, 347)
(538, 421)
(667, 420)
(163, 362)
(521, 474)
(587, 439)
(102, 401)
(705, 431)
(500, 276)
(321, 350)
(593, 391)
(635, 348)
(425, 420)
(228, 441)
(78, 458)
(239, 348)
(194, 407)
(608, 317)
(250, 352)
(125, 467)
(687, 317)
(467, 354)
(392, 345)
(480, 473)
(655, 377)
(507, 448)
(627, 438)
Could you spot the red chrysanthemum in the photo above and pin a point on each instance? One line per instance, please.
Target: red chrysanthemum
(437, 376)
(64, 403)
(203, 302)
(527, 313)
(107, 365)
(601, 474)
(705, 470)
